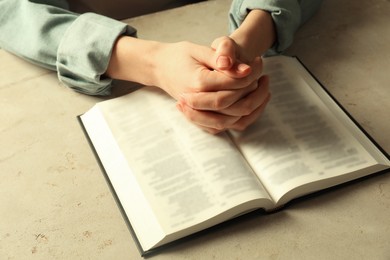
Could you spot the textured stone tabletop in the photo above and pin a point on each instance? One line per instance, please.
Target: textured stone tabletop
(55, 203)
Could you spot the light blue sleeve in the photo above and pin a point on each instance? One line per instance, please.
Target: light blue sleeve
(78, 47)
(288, 16)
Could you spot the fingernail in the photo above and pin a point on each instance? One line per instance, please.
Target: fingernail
(242, 67)
(223, 62)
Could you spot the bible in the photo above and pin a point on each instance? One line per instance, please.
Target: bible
(172, 179)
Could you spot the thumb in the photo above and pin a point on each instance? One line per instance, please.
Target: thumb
(225, 52)
(226, 59)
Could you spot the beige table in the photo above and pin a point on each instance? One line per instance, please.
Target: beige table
(55, 204)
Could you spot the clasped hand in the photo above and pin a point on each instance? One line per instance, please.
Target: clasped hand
(213, 87)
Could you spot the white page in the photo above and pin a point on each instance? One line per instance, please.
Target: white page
(298, 139)
(123, 180)
(186, 174)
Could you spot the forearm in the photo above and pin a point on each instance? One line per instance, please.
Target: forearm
(255, 35)
(24, 30)
(287, 17)
(77, 46)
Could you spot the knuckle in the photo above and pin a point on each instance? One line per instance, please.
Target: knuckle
(190, 116)
(213, 131)
(184, 46)
(199, 85)
(219, 102)
(225, 41)
(249, 80)
(247, 111)
(184, 43)
(189, 101)
(240, 126)
(220, 125)
(247, 108)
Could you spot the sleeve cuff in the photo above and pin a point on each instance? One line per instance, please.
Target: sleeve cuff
(85, 51)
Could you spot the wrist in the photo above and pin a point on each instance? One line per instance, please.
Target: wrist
(133, 59)
(255, 35)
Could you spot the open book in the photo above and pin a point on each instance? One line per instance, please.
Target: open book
(172, 179)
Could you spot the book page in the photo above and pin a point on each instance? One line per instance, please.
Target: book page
(186, 174)
(299, 140)
(125, 186)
